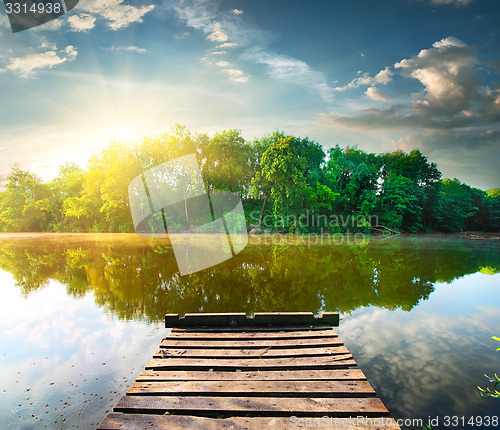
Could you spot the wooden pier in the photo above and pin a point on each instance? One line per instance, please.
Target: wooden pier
(230, 371)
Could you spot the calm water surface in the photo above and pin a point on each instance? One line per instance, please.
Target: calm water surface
(82, 315)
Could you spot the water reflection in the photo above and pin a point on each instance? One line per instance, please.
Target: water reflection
(430, 361)
(136, 278)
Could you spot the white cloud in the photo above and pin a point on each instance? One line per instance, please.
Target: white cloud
(453, 95)
(237, 11)
(128, 49)
(293, 70)
(237, 75)
(376, 94)
(82, 22)
(48, 45)
(383, 77)
(28, 65)
(117, 14)
(218, 35)
(227, 45)
(447, 72)
(230, 32)
(223, 63)
(71, 52)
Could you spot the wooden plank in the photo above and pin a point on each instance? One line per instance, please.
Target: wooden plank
(248, 344)
(258, 319)
(254, 388)
(116, 421)
(269, 375)
(253, 406)
(246, 329)
(336, 361)
(249, 353)
(303, 334)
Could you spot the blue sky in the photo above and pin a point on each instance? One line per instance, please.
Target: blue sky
(380, 75)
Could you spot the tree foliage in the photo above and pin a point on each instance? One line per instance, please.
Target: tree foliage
(278, 177)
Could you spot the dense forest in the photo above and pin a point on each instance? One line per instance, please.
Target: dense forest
(280, 178)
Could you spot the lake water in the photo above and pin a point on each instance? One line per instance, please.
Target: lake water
(82, 314)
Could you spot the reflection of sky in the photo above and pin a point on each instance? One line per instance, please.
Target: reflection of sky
(425, 362)
(69, 355)
(430, 361)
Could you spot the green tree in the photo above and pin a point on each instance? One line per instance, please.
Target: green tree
(281, 178)
(456, 206)
(226, 161)
(401, 203)
(26, 204)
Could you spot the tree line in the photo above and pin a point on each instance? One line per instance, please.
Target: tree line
(286, 183)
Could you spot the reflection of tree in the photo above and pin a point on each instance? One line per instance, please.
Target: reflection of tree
(136, 278)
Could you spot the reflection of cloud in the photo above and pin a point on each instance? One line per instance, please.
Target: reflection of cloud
(59, 348)
(428, 361)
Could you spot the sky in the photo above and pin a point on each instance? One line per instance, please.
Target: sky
(379, 75)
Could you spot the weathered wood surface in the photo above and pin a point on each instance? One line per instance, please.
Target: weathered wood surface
(252, 406)
(118, 421)
(248, 353)
(256, 388)
(247, 344)
(242, 335)
(245, 376)
(329, 362)
(284, 375)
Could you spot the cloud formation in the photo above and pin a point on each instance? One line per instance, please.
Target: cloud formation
(82, 22)
(293, 70)
(218, 35)
(28, 65)
(229, 32)
(383, 77)
(453, 94)
(117, 14)
(375, 94)
(128, 49)
(237, 75)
